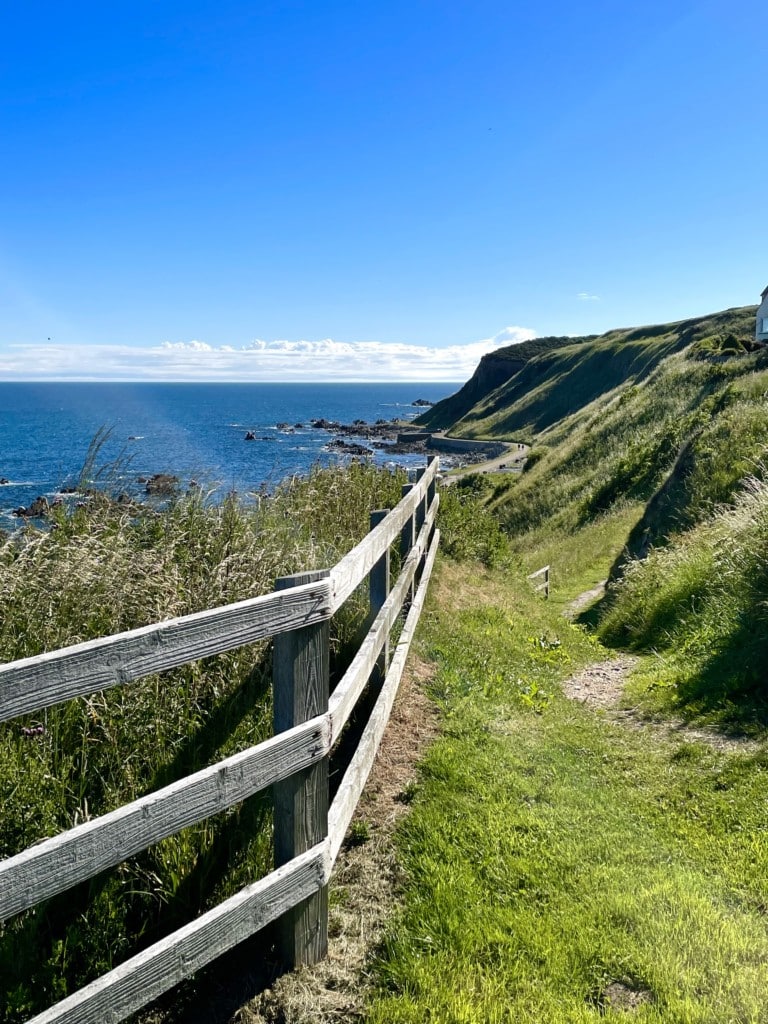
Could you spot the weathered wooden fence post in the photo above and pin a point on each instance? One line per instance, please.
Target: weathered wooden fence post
(378, 583)
(421, 508)
(300, 679)
(407, 537)
(432, 485)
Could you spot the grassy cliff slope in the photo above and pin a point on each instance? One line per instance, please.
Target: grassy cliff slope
(647, 466)
(494, 371)
(521, 390)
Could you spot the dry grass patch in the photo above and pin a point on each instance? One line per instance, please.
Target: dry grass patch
(367, 880)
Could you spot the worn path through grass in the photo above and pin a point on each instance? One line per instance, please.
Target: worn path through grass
(560, 866)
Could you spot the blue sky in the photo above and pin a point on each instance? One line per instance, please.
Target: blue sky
(327, 190)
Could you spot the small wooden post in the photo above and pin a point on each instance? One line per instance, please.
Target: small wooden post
(378, 582)
(300, 679)
(407, 537)
(421, 508)
(432, 486)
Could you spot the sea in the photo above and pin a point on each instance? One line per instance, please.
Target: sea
(192, 431)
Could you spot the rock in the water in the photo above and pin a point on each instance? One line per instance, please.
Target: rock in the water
(162, 484)
(347, 447)
(39, 507)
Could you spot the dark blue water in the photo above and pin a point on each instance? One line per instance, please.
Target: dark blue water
(195, 431)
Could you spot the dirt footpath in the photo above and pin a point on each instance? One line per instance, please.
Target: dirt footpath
(601, 686)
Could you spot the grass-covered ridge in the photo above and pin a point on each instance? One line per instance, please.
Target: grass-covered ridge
(104, 569)
(649, 468)
(560, 376)
(494, 370)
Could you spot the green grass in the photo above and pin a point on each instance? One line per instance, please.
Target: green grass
(550, 852)
(580, 560)
(699, 605)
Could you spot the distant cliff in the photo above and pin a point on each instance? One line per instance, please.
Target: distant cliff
(521, 390)
(493, 370)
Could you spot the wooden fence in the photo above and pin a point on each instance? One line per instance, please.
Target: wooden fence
(307, 724)
(544, 585)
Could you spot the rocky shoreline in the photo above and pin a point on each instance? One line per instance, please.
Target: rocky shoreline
(358, 439)
(363, 440)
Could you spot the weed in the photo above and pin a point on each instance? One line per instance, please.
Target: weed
(359, 833)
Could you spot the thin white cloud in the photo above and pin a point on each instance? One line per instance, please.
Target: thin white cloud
(587, 297)
(257, 360)
(190, 346)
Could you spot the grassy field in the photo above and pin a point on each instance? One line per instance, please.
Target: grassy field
(570, 859)
(563, 866)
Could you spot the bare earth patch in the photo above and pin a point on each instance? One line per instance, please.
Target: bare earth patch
(601, 686)
(366, 881)
(618, 996)
(584, 600)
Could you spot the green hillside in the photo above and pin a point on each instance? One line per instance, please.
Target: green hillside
(648, 448)
(521, 390)
(587, 834)
(494, 370)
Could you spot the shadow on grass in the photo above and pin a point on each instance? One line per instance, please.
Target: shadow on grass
(590, 617)
(731, 687)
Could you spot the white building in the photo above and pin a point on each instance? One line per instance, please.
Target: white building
(761, 330)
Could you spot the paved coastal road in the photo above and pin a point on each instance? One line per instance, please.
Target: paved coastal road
(510, 461)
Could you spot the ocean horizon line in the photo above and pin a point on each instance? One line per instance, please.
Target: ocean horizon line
(208, 383)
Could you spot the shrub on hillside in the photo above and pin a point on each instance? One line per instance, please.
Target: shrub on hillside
(722, 346)
(535, 454)
(468, 530)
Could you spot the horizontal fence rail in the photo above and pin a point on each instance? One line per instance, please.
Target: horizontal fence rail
(35, 683)
(308, 832)
(543, 575)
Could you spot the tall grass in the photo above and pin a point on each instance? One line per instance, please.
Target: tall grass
(700, 603)
(106, 568)
(626, 445)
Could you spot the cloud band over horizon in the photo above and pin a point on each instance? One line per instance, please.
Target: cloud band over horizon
(268, 361)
